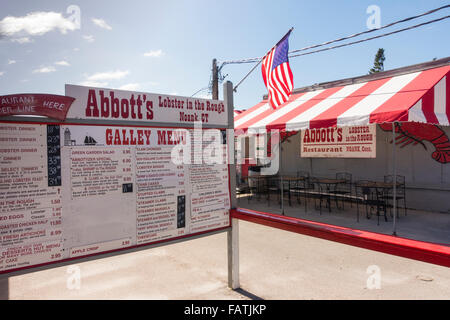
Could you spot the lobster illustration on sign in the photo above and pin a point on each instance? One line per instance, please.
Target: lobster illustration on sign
(416, 133)
(284, 135)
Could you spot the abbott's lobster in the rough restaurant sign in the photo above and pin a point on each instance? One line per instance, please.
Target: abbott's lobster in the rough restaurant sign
(110, 104)
(339, 142)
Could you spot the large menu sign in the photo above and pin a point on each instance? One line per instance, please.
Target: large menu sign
(72, 190)
(339, 142)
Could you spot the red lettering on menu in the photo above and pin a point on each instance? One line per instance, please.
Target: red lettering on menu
(113, 107)
(169, 137)
(127, 137)
(91, 107)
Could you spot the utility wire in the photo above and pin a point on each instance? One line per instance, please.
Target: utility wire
(253, 60)
(202, 89)
(371, 38)
(291, 55)
(348, 44)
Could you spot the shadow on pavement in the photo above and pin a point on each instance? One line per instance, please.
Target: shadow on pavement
(247, 294)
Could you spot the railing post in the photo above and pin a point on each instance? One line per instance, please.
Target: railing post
(394, 181)
(233, 234)
(4, 288)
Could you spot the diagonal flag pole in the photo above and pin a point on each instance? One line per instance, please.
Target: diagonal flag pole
(280, 146)
(239, 83)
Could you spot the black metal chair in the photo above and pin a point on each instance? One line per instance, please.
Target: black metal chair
(242, 187)
(272, 186)
(343, 191)
(301, 187)
(371, 197)
(255, 188)
(322, 192)
(400, 192)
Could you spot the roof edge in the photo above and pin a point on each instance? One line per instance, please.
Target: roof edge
(375, 76)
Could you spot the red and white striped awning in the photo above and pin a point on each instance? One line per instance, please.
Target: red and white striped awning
(422, 96)
(238, 112)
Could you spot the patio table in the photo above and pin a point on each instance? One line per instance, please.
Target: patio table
(257, 185)
(382, 190)
(376, 195)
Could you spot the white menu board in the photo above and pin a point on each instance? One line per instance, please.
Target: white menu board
(75, 190)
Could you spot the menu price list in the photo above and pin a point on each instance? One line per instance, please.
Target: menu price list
(161, 202)
(30, 204)
(210, 199)
(100, 171)
(31, 254)
(53, 155)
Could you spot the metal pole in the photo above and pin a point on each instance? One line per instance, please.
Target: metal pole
(233, 255)
(394, 180)
(281, 178)
(4, 288)
(233, 234)
(215, 80)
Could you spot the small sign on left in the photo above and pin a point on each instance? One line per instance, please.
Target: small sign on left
(48, 105)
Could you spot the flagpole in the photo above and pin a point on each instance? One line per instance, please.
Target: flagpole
(236, 86)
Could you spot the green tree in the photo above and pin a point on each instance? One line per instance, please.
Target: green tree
(378, 64)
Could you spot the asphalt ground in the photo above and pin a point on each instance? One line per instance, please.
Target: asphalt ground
(274, 264)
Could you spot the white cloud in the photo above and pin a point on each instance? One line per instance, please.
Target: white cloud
(76, 49)
(2, 73)
(36, 23)
(101, 79)
(93, 84)
(101, 23)
(154, 53)
(104, 76)
(22, 40)
(88, 38)
(204, 96)
(10, 61)
(62, 63)
(45, 70)
(130, 86)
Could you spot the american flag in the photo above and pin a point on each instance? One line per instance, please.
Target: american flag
(277, 73)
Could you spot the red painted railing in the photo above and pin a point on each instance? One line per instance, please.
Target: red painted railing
(407, 248)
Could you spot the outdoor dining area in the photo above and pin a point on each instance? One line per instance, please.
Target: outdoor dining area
(342, 201)
(370, 198)
(369, 153)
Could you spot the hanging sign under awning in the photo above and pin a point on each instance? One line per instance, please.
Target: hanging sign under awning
(339, 142)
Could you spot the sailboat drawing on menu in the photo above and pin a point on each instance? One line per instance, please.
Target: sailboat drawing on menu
(80, 139)
(89, 141)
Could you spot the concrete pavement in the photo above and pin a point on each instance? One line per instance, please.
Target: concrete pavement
(274, 264)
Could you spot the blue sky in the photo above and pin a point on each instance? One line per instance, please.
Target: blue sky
(167, 46)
